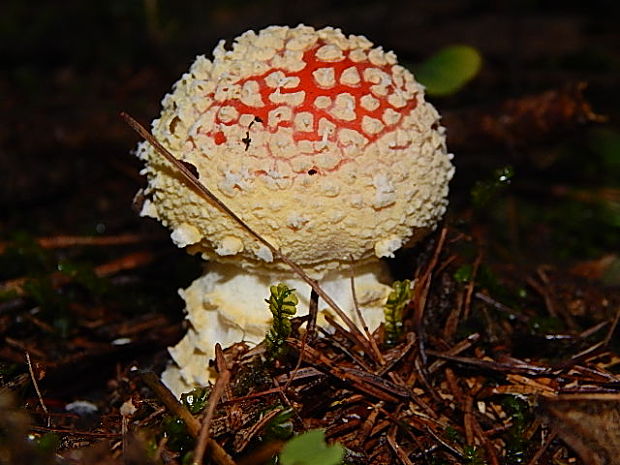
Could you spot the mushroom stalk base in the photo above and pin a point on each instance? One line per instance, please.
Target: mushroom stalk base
(227, 305)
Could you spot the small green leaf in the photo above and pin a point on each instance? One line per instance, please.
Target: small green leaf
(449, 69)
(463, 274)
(310, 449)
(196, 400)
(520, 414)
(282, 300)
(48, 443)
(473, 456)
(280, 426)
(178, 438)
(282, 304)
(393, 311)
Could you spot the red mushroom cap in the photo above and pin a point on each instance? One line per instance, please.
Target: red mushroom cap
(319, 141)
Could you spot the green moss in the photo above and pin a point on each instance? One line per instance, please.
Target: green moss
(473, 456)
(53, 303)
(464, 273)
(520, 415)
(196, 400)
(252, 375)
(393, 311)
(179, 439)
(47, 444)
(84, 275)
(24, 257)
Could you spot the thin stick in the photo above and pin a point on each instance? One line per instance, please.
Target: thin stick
(587, 396)
(421, 291)
(128, 262)
(219, 455)
(36, 388)
(503, 308)
(612, 329)
(168, 399)
(373, 344)
(220, 385)
(61, 242)
(398, 450)
(262, 453)
(542, 449)
(455, 350)
(313, 311)
(63, 431)
(126, 411)
(453, 450)
(470, 287)
(196, 184)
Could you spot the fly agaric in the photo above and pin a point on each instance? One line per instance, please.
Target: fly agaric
(321, 143)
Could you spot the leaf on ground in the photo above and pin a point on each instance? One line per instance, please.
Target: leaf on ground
(310, 449)
(449, 69)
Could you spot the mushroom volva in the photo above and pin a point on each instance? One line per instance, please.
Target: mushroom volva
(321, 143)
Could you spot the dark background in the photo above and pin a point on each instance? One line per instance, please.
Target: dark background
(70, 68)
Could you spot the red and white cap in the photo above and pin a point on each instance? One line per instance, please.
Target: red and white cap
(321, 142)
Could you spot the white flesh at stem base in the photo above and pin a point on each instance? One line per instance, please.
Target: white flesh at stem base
(227, 305)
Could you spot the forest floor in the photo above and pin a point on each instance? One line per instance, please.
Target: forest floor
(509, 351)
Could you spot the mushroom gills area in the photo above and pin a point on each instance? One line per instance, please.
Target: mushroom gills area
(226, 305)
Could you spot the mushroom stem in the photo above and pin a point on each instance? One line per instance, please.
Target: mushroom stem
(294, 149)
(227, 305)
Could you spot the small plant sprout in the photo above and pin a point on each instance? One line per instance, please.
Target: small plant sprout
(396, 302)
(319, 154)
(283, 305)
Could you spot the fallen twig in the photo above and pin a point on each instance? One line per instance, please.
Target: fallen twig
(127, 262)
(36, 388)
(222, 381)
(219, 455)
(61, 242)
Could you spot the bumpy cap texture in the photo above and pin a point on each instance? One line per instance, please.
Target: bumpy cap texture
(320, 142)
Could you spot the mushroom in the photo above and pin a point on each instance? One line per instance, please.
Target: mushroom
(321, 143)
